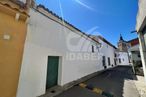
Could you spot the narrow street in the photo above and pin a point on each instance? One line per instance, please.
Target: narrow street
(72, 48)
(117, 81)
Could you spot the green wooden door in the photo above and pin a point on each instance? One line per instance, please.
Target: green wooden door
(52, 71)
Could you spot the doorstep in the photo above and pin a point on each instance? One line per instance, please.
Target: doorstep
(53, 91)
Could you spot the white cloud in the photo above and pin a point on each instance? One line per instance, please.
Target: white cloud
(84, 5)
(94, 31)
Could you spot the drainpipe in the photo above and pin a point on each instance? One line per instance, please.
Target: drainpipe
(142, 52)
(132, 63)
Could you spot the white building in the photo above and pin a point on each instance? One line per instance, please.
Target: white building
(122, 55)
(135, 54)
(122, 58)
(107, 53)
(141, 30)
(56, 53)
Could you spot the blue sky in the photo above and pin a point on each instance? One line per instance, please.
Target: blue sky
(108, 18)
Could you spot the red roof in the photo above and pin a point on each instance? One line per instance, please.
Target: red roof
(134, 42)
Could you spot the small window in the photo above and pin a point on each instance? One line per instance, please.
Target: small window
(109, 62)
(119, 60)
(138, 55)
(115, 55)
(115, 62)
(92, 49)
(104, 60)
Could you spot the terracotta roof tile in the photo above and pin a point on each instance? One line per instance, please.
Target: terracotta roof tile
(19, 6)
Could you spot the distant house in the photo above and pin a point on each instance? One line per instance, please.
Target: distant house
(122, 58)
(122, 55)
(135, 55)
(134, 50)
(107, 52)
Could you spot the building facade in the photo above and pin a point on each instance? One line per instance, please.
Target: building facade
(122, 55)
(107, 53)
(141, 31)
(122, 44)
(135, 58)
(13, 28)
(51, 40)
(122, 58)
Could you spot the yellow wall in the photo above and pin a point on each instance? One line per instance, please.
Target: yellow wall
(11, 52)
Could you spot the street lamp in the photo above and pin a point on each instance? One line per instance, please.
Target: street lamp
(134, 31)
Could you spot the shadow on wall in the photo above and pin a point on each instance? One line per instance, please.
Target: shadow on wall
(138, 68)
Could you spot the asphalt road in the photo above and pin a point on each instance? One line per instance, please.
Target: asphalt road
(117, 81)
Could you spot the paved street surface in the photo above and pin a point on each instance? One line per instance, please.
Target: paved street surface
(117, 81)
(141, 85)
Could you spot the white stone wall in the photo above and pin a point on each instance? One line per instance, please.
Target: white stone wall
(141, 14)
(141, 22)
(142, 52)
(107, 51)
(124, 58)
(135, 57)
(46, 37)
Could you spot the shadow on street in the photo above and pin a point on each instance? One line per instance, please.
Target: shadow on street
(117, 81)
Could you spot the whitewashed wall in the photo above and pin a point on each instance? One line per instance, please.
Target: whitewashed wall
(124, 58)
(136, 57)
(141, 14)
(107, 51)
(48, 38)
